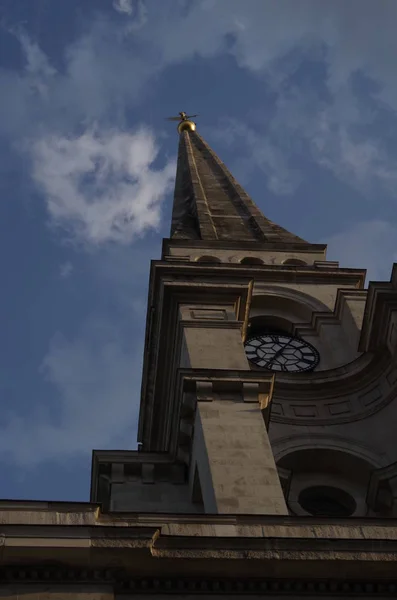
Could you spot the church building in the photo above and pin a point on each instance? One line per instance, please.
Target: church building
(267, 457)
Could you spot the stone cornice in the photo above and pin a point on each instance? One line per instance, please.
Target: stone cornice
(31, 513)
(161, 547)
(241, 245)
(344, 277)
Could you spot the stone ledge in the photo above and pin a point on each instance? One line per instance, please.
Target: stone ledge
(208, 531)
(166, 545)
(54, 516)
(241, 245)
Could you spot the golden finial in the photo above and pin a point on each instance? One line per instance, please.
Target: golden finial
(185, 124)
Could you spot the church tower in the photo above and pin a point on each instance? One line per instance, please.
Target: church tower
(267, 462)
(269, 373)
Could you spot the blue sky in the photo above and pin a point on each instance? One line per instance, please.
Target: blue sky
(299, 99)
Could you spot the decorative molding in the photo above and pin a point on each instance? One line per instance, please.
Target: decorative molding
(262, 587)
(209, 314)
(204, 391)
(176, 258)
(378, 314)
(321, 318)
(321, 314)
(211, 324)
(283, 446)
(266, 288)
(204, 386)
(120, 466)
(349, 393)
(326, 264)
(122, 584)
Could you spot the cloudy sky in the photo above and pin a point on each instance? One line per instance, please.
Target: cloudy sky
(298, 97)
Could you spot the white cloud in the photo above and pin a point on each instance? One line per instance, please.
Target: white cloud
(100, 186)
(123, 6)
(65, 270)
(105, 70)
(37, 62)
(370, 245)
(136, 12)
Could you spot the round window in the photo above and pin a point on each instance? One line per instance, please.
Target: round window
(326, 501)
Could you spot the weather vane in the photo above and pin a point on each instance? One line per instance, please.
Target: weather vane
(185, 123)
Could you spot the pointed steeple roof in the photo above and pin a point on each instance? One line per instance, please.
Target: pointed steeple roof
(209, 204)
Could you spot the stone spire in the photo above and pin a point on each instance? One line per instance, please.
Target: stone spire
(209, 204)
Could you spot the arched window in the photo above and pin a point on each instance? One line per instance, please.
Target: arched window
(269, 324)
(251, 260)
(208, 259)
(294, 261)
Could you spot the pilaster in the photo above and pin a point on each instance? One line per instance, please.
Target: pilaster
(231, 455)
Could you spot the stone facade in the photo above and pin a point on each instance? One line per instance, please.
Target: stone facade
(216, 501)
(53, 551)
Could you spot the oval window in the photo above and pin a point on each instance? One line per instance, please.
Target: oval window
(327, 501)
